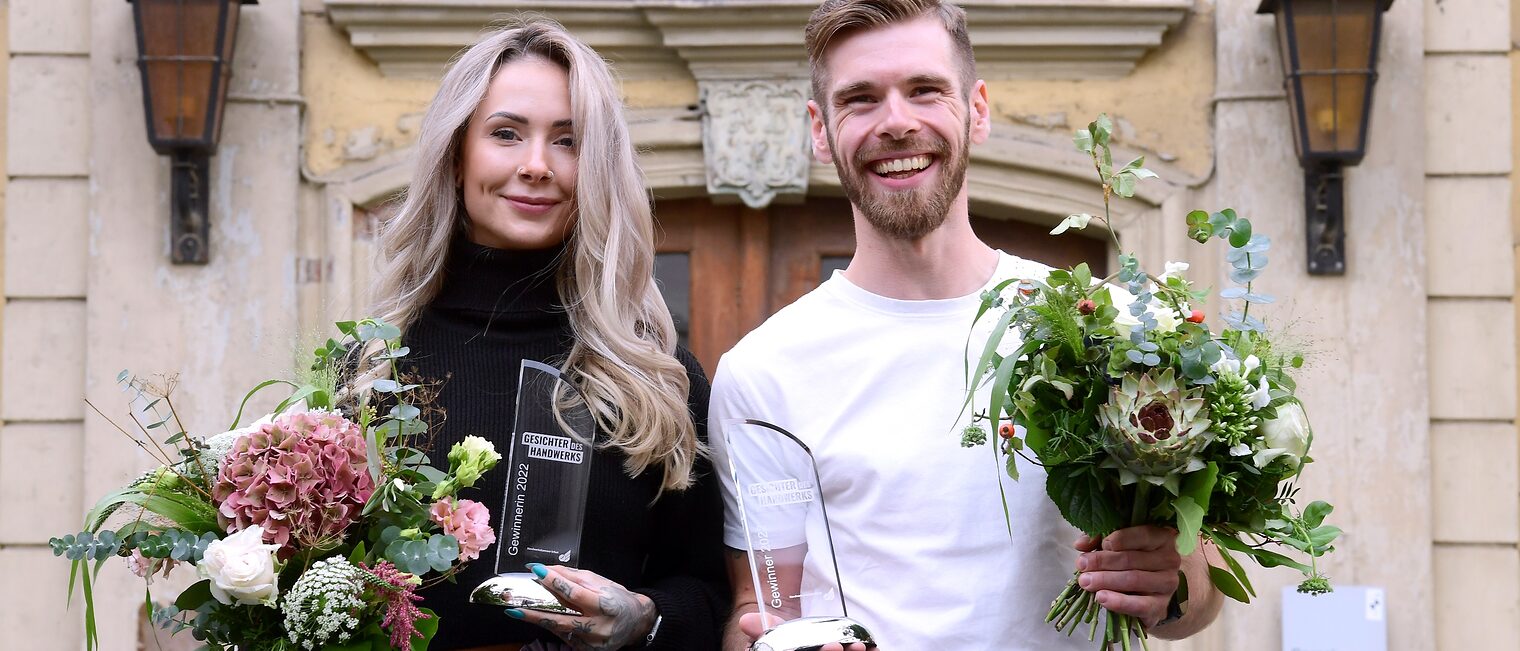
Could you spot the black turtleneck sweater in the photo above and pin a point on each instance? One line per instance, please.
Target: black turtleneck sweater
(495, 309)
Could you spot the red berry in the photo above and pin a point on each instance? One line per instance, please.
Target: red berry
(1006, 430)
(1086, 306)
(1196, 316)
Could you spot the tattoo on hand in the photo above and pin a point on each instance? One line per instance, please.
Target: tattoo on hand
(629, 616)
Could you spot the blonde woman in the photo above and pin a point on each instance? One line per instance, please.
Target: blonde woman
(526, 234)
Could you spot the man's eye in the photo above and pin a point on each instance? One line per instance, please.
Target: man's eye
(505, 134)
(859, 99)
(925, 90)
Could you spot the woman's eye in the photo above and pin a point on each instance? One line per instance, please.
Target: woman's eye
(566, 141)
(505, 134)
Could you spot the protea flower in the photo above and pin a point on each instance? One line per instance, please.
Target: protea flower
(1153, 429)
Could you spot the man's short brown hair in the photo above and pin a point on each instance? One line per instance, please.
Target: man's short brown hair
(835, 18)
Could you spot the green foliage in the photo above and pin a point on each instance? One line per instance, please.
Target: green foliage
(86, 545)
(1084, 500)
(436, 553)
(1079, 339)
(174, 543)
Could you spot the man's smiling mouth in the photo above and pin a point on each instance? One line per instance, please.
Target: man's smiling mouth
(901, 168)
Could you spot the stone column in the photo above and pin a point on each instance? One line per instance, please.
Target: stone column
(1470, 287)
(46, 259)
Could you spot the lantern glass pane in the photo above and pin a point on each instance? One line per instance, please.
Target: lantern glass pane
(224, 85)
(1334, 39)
(179, 52)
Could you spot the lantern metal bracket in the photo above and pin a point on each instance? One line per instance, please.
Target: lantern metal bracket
(190, 208)
(1325, 223)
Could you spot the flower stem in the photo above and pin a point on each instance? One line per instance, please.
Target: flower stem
(1139, 509)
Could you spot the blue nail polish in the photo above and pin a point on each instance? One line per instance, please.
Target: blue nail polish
(515, 613)
(538, 570)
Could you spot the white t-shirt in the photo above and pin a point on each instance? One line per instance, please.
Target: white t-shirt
(873, 386)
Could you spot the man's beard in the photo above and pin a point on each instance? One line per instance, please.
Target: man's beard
(905, 214)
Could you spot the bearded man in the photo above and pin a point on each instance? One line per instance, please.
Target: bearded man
(868, 371)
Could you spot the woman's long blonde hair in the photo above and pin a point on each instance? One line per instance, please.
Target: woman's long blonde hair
(623, 353)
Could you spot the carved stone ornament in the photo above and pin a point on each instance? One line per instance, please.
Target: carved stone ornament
(755, 138)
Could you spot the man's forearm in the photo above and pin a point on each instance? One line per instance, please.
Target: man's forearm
(1204, 600)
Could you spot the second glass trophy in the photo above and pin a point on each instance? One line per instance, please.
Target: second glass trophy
(791, 550)
(548, 476)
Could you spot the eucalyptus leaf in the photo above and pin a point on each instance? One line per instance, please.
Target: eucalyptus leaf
(405, 411)
(1258, 244)
(1244, 276)
(1240, 233)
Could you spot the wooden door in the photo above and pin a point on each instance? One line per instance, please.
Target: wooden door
(724, 269)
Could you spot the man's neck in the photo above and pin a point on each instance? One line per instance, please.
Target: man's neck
(947, 263)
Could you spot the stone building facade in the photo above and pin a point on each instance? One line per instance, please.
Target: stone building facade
(1412, 386)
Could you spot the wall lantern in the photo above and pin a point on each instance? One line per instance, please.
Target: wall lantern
(185, 58)
(1329, 53)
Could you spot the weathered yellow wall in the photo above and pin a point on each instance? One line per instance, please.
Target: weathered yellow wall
(1164, 106)
(354, 113)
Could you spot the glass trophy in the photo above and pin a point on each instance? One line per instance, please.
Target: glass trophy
(786, 531)
(548, 475)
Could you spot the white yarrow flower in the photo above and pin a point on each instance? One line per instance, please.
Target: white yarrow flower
(324, 604)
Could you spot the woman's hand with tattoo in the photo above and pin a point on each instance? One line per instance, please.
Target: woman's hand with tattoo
(611, 618)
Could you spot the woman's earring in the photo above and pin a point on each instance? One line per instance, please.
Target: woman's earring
(551, 175)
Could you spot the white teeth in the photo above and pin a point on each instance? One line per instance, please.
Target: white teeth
(902, 165)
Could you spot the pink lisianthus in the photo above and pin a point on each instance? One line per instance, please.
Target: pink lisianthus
(302, 477)
(467, 521)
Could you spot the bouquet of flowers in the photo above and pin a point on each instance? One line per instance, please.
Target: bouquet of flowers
(312, 528)
(1143, 414)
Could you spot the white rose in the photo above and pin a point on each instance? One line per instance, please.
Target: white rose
(1288, 436)
(1174, 269)
(242, 568)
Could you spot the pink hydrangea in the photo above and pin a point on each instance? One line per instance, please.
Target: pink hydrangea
(467, 521)
(302, 477)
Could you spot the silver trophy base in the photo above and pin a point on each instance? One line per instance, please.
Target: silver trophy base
(518, 590)
(812, 634)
